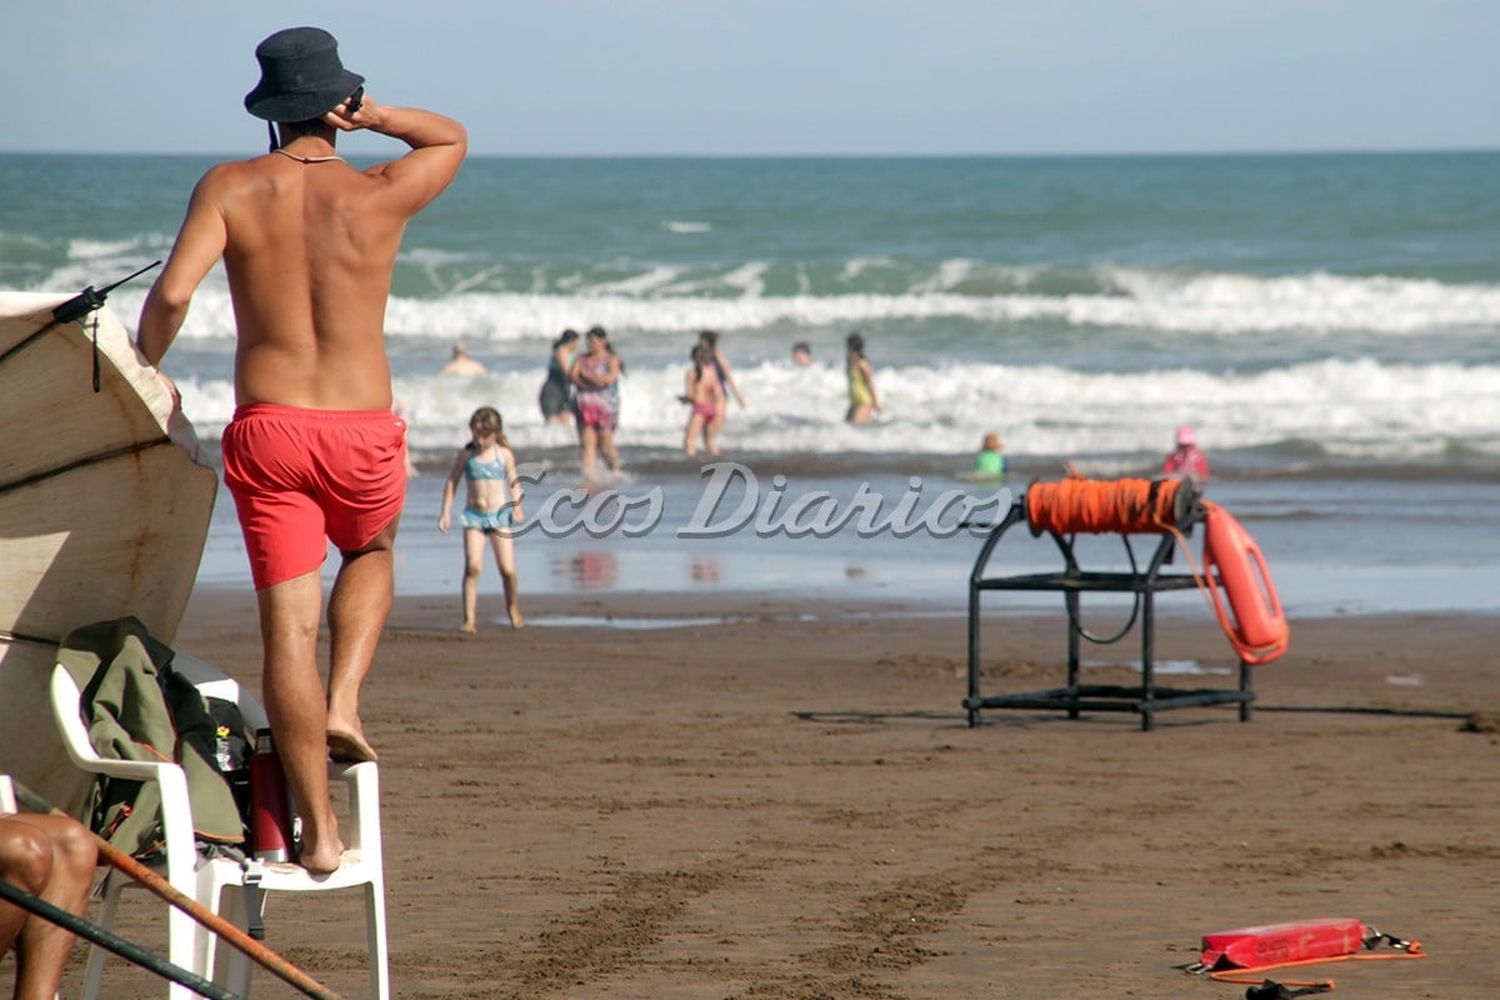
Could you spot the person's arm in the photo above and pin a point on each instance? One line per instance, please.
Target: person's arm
(613, 374)
(586, 379)
(450, 488)
(438, 145)
(200, 243)
(689, 386)
(513, 481)
(578, 376)
(729, 379)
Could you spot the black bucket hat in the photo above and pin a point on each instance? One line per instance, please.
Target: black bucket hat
(301, 76)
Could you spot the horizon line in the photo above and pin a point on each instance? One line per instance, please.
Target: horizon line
(1033, 155)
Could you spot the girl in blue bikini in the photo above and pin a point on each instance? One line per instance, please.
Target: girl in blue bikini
(492, 506)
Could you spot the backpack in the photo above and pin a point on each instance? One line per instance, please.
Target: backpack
(136, 707)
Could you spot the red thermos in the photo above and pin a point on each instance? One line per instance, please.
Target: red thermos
(270, 819)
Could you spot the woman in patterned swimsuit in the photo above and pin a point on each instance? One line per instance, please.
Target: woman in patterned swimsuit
(492, 506)
(596, 374)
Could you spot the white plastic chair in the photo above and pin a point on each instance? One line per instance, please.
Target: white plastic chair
(190, 945)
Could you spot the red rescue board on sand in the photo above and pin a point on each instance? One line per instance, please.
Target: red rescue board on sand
(1279, 944)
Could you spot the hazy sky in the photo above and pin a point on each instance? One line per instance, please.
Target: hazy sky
(782, 76)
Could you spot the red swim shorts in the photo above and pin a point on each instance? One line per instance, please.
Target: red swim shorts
(299, 475)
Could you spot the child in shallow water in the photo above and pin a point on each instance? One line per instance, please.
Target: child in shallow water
(990, 462)
(492, 506)
(704, 392)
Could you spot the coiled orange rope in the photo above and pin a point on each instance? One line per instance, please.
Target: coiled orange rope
(1077, 505)
(1123, 506)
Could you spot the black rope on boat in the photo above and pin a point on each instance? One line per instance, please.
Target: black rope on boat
(94, 329)
(74, 310)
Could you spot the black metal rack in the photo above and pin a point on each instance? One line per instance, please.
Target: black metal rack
(1146, 698)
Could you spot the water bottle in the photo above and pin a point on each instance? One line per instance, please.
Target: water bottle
(270, 819)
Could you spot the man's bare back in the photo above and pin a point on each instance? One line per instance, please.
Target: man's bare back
(308, 243)
(309, 255)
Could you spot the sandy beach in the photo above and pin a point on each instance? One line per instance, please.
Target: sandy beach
(728, 758)
(792, 806)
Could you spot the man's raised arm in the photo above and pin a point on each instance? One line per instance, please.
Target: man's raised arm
(438, 146)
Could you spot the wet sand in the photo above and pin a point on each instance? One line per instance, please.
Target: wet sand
(796, 808)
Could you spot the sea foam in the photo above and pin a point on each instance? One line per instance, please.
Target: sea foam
(758, 295)
(1351, 409)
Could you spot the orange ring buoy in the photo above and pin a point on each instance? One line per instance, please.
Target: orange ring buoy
(1254, 622)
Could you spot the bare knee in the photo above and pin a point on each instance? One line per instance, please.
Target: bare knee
(472, 570)
(25, 855)
(293, 635)
(74, 846)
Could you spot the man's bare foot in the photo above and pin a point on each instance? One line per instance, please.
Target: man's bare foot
(517, 620)
(322, 858)
(468, 628)
(347, 741)
(347, 744)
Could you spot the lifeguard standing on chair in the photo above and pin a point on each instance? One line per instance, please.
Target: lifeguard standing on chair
(313, 452)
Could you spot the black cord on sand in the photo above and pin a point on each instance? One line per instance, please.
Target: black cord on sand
(1402, 713)
(854, 716)
(1398, 713)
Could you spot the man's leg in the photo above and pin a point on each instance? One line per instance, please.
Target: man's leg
(26, 863)
(357, 610)
(53, 858)
(289, 614)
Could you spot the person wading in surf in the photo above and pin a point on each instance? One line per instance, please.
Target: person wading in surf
(309, 244)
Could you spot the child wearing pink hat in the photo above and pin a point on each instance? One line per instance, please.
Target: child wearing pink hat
(1187, 462)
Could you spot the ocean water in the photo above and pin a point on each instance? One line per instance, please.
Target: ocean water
(1328, 322)
(1335, 547)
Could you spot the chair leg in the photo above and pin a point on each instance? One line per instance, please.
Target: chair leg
(380, 959)
(235, 964)
(208, 953)
(184, 948)
(114, 885)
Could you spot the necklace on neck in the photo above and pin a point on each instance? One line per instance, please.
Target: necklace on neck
(308, 159)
